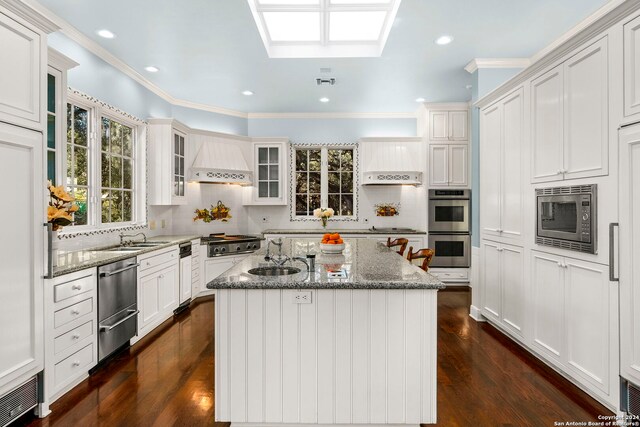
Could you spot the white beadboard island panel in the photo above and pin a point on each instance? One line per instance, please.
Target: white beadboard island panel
(350, 357)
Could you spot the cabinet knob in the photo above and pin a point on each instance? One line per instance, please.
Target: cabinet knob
(75, 337)
(75, 312)
(76, 363)
(76, 287)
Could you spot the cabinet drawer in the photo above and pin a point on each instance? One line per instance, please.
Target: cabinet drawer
(73, 288)
(452, 276)
(156, 260)
(74, 365)
(72, 337)
(73, 312)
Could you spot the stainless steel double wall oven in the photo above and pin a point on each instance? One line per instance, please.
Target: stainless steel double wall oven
(450, 227)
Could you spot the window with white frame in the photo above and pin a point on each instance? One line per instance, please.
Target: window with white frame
(104, 165)
(324, 177)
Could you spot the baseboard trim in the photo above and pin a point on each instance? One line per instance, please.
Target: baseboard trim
(475, 314)
(319, 425)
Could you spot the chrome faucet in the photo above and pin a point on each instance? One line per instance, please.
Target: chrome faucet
(122, 236)
(302, 259)
(280, 259)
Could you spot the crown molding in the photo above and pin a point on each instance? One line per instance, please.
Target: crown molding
(594, 25)
(332, 115)
(462, 105)
(31, 14)
(59, 61)
(478, 63)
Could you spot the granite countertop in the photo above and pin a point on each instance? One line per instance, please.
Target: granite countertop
(384, 231)
(369, 265)
(72, 261)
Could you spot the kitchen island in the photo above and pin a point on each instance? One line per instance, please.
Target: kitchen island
(307, 348)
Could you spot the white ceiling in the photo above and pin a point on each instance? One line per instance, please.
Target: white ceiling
(209, 51)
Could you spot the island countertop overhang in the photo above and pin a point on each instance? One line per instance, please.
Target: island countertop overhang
(368, 264)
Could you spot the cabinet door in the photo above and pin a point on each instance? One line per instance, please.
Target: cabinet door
(586, 113)
(20, 84)
(185, 279)
(547, 133)
(169, 288)
(491, 296)
(458, 126)
(179, 167)
(439, 125)
(215, 267)
(630, 253)
(149, 303)
(589, 320)
(513, 291)
(632, 67)
(511, 202)
(547, 282)
(490, 155)
(439, 165)
(458, 165)
(21, 266)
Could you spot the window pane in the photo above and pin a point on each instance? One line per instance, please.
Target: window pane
(81, 117)
(301, 182)
(293, 26)
(116, 173)
(301, 160)
(127, 174)
(301, 204)
(314, 182)
(69, 164)
(263, 189)
(273, 155)
(314, 202)
(105, 167)
(314, 160)
(51, 166)
(106, 134)
(347, 182)
(116, 206)
(116, 138)
(333, 160)
(127, 209)
(334, 203)
(127, 141)
(273, 172)
(106, 207)
(51, 131)
(69, 122)
(80, 217)
(274, 189)
(334, 182)
(51, 93)
(80, 166)
(262, 155)
(182, 146)
(346, 160)
(176, 144)
(176, 186)
(263, 172)
(176, 165)
(182, 166)
(346, 207)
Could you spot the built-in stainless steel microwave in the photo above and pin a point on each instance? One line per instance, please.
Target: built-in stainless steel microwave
(566, 217)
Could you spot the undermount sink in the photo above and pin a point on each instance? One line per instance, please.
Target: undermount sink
(274, 271)
(147, 244)
(121, 249)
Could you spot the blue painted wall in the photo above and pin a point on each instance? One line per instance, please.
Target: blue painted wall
(331, 130)
(483, 81)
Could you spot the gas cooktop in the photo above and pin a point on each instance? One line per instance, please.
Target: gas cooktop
(231, 244)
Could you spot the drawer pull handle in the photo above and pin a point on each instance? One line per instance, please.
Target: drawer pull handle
(75, 337)
(75, 363)
(75, 312)
(111, 273)
(76, 287)
(107, 328)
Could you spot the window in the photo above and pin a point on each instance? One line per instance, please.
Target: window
(103, 165)
(324, 176)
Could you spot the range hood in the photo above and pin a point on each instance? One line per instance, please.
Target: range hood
(397, 161)
(220, 163)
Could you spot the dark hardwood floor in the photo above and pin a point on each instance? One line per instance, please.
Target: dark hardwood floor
(484, 379)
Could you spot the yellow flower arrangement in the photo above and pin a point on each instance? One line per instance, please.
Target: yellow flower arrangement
(218, 212)
(61, 207)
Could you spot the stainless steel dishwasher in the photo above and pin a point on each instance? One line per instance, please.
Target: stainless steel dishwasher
(117, 306)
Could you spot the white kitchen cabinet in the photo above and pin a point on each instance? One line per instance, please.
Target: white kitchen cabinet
(501, 204)
(632, 67)
(215, 266)
(573, 307)
(186, 279)
(158, 288)
(168, 162)
(448, 165)
(71, 346)
(570, 118)
(504, 294)
(448, 126)
(629, 249)
(195, 267)
(270, 173)
(21, 258)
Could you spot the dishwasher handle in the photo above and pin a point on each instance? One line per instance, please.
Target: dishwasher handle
(107, 328)
(120, 270)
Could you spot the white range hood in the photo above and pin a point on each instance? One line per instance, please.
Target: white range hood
(397, 161)
(221, 163)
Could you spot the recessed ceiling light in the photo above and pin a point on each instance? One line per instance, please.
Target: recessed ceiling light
(247, 93)
(420, 100)
(324, 99)
(152, 69)
(106, 34)
(442, 40)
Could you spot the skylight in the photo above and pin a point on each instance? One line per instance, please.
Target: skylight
(324, 28)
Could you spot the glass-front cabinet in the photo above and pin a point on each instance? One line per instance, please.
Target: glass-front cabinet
(270, 173)
(167, 162)
(178, 164)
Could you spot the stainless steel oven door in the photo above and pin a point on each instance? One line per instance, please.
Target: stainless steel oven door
(560, 217)
(451, 250)
(449, 216)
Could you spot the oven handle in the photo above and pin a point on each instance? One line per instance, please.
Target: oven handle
(105, 328)
(612, 252)
(111, 273)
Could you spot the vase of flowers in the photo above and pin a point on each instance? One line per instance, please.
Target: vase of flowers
(59, 214)
(324, 214)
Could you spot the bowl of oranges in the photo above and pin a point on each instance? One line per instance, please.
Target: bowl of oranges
(332, 243)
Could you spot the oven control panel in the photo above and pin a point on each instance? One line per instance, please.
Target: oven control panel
(585, 217)
(231, 248)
